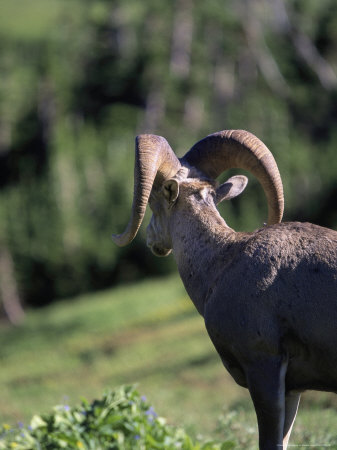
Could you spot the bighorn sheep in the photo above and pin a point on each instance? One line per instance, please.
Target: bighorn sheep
(268, 297)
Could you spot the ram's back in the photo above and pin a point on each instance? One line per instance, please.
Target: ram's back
(279, 289)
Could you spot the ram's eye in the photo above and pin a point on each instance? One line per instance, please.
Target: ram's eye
(203, 194)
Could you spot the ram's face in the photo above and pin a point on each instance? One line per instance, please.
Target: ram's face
(174, 197)
(187, 198)
(158, 236)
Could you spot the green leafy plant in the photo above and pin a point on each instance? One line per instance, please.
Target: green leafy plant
(122, 419)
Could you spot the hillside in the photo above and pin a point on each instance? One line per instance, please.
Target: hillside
(146, 333)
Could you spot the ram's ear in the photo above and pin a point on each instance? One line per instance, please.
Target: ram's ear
(171, 190)
(231, 188)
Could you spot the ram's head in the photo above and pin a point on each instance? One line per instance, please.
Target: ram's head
(161, 178)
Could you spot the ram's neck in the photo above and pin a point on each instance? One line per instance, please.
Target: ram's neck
(200, 240)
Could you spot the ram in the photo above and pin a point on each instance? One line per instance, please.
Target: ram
(268, 297)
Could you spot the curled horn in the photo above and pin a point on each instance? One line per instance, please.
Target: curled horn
(240, 149)
(155, 162)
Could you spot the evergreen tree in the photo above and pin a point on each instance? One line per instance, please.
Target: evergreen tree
(79, 80)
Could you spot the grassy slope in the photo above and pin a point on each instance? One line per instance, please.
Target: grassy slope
(147, 333)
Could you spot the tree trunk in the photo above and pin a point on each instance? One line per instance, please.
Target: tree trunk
(8, 288)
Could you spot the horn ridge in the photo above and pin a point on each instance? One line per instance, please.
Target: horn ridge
(240, 149)
(155, 161)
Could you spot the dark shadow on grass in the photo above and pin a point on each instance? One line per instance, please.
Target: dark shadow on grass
(173, 370)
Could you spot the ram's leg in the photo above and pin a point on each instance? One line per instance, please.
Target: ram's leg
(266, 386)
(292, 401)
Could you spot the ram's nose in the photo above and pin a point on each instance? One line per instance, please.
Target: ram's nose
(160, 251)
(156, 249)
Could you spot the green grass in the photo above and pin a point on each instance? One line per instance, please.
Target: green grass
(28, 19)
(38, 19)
(147, 333)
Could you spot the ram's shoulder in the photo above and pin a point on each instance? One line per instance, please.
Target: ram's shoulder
(289, 239)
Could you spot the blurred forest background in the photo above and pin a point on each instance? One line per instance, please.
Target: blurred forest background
(80, 79)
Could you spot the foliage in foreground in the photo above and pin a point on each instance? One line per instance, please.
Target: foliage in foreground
(122, 419)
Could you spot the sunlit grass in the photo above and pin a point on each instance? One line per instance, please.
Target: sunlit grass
(28, 19)
(147, 333)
